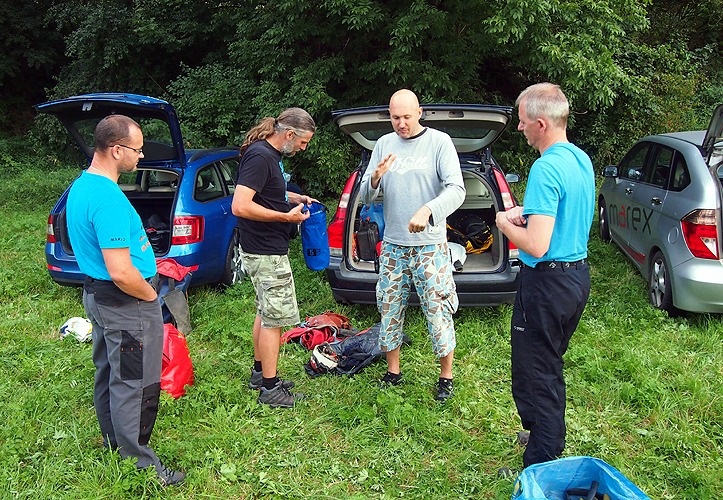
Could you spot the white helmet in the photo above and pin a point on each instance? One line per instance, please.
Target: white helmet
(80, 328)
(323, 358)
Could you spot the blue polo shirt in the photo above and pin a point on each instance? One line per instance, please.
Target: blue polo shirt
(99, 216)
(562, 185)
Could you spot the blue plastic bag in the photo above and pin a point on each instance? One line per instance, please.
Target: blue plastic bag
(374, 213)
(314, 239)
(551, 480)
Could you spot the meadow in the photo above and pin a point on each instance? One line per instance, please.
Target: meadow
(644, 391)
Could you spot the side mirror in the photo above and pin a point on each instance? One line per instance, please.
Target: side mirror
(610, 171)
(512, 178)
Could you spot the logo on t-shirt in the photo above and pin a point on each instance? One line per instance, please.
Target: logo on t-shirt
(402, 166)
(144, 245)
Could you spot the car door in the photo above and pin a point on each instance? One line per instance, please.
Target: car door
(620, 197)
(211, 192)
(647, 225)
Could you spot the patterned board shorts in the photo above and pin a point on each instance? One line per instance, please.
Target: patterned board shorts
(429, 268)
(274, 285)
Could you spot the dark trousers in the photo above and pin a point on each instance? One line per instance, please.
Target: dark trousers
(127, 354)
(547, 310)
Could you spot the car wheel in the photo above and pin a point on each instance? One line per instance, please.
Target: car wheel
(660, 290)
(234, 271)
(603, 221)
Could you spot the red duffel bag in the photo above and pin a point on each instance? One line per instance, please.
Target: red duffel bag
(177, 368)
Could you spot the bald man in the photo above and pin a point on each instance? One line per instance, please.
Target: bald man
(417, 171)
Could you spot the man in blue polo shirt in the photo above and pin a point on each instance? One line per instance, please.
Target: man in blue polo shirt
(551, 231)
(112, 249)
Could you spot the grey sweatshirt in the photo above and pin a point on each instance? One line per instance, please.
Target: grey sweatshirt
(426, 172)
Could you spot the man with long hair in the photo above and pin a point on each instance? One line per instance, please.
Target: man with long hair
(267, 213)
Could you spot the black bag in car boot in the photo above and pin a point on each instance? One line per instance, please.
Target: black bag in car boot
(367, 238)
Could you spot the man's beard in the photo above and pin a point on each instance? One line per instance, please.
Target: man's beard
(287, 148)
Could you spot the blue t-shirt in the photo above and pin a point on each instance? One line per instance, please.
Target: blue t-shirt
(100, 216)
(562, 185)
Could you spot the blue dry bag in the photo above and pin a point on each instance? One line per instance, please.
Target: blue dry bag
(572, 478)
(314, 240)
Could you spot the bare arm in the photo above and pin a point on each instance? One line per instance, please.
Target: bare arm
(243, 205)
(531, 235)
(296, 198)
(382, 168)
(125, 275)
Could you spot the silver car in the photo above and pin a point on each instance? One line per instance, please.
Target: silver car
(662, 205)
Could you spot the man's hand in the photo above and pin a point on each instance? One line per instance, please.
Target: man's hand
(419, 220)
(125, 275)
(296, 198)
(296, 215)
(382, 168)
(512, 216)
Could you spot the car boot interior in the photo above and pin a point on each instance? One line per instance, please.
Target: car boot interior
(478, 203)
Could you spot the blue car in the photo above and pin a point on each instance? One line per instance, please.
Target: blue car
(182, 195)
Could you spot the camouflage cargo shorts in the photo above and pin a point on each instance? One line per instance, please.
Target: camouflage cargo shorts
(274, 285)
(428, 268)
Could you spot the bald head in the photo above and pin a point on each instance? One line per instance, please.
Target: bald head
(405, 113)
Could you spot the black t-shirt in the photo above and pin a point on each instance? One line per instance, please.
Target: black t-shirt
(260, 170)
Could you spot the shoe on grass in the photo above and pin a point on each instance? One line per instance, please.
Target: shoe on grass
(390, 379)
(167, 476)
(523, 437)
(279, 396)
(445, 388)
(257, 380)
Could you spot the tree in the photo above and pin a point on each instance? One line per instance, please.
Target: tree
(225, 64)
(30, 54)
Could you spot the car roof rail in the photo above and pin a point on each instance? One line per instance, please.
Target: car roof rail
(204, 152)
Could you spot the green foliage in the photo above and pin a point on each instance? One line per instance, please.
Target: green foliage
(630, 68)
(29, 58)
(643, 393)
(29, 180)
(571, 43)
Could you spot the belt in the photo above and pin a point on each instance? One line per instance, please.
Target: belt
(88, 279)
(556, 265)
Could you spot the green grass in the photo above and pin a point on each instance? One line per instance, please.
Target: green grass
(644, 392)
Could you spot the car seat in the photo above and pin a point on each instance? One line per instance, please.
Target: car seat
(167, 182)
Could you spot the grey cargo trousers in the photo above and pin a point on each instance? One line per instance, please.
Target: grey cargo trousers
(127, 354)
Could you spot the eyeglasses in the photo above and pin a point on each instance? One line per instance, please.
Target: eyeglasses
(138, 150)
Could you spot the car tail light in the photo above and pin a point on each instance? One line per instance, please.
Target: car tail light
(50, 236)
(335, 230)
(187, 229)
(701, 234)
(509, 202)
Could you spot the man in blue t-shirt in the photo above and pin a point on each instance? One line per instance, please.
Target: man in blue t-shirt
(112, 249)
(551, 232)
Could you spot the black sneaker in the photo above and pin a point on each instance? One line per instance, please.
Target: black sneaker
(279, 396)
(168, 477)
(523, 437)
(257, 380)
(390, 379)
(445, 388)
